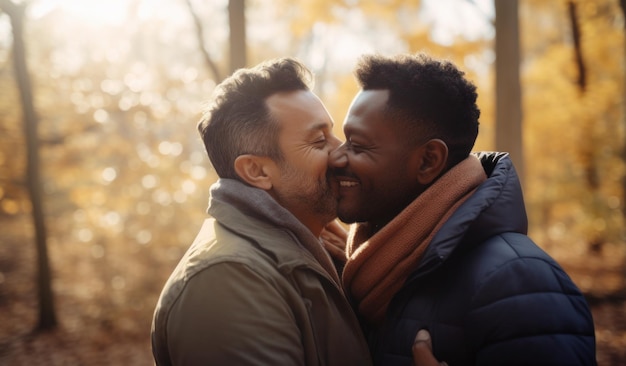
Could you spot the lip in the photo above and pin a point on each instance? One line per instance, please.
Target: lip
(340, 185)
(346, 183)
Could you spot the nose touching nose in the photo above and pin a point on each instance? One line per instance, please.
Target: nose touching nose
(337, 157)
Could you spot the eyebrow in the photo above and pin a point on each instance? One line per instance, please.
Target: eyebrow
(318, 127)
(358, 132)
(321, 125)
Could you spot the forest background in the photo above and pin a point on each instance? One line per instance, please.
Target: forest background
(104, 180)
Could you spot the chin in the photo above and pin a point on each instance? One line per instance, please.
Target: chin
(347, 217)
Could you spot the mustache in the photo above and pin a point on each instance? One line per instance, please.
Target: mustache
(339, 172)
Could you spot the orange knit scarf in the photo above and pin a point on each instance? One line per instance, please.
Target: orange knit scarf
(377, 267)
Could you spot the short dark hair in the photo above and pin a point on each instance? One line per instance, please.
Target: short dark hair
(430, 98)
(237, 120)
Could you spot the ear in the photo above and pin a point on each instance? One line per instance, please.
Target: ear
(433, 160)
(254, 170)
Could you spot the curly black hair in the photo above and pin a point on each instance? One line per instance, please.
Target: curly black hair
(430, 98)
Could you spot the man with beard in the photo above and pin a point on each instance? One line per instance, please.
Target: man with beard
(256, 286)
(441, 239)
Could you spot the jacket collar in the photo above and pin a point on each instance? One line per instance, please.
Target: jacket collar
(496, 207)
(233, 204)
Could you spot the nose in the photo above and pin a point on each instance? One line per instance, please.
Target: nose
(337, 157)
(334, 142)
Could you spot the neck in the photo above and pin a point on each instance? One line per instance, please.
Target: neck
(376, 224)
(313, 224)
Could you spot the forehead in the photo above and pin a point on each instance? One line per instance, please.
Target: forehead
(298, 112)
(367, 111)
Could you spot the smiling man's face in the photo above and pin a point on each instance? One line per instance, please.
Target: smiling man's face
(305, 140)
(375, 178)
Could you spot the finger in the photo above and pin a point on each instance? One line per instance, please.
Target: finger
(333, 238)
(423, 350)
(334, 248)
(334, 235)
(335, 228)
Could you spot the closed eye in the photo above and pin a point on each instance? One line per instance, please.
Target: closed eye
(356, 148)
(321, 142)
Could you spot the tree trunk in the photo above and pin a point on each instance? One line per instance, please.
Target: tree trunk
(508, 89)
(47, 316)
(622, 4)
(578, 52)
(237, 21)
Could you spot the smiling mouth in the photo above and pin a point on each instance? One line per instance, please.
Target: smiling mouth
(345, 183)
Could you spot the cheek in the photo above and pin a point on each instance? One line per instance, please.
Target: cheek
(365, 166)
(317, 165)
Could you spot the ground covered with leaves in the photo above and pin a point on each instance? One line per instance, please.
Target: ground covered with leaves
(94, 329)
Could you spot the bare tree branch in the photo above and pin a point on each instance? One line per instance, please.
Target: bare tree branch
(9, 7)
(200, 34)
(491, 20)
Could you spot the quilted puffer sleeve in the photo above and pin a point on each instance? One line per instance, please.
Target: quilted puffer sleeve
(528, 311)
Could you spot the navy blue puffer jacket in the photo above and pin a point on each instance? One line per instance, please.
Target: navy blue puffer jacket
(488, 294)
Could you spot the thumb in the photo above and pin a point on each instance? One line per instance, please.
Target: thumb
(423, 350)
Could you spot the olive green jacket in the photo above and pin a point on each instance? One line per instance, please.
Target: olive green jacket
(247, 292)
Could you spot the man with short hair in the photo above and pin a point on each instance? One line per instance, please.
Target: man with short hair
(256, 287)
(441, 239)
